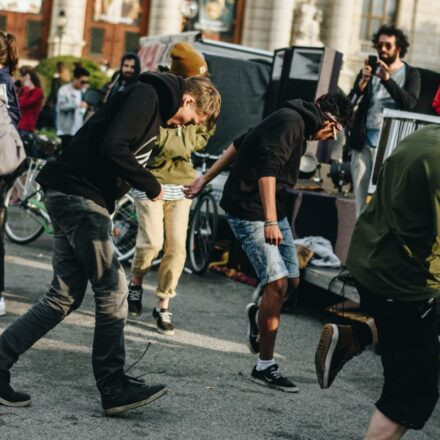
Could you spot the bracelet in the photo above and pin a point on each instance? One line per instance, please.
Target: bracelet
(270, 223)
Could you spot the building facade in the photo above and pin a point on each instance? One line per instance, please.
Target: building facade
(104, 29)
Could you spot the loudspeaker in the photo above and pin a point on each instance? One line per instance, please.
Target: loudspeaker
(300, 72)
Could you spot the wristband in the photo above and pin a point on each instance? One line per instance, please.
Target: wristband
(270, 223)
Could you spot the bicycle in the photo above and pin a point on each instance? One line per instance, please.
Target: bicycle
(27, 216)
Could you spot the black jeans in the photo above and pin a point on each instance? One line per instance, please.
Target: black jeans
(82, 252)
(409, 348)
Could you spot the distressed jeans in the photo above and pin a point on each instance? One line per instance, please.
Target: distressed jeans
(82, 252)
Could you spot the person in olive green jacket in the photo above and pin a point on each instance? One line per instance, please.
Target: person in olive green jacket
(394, 257)
(163, 224)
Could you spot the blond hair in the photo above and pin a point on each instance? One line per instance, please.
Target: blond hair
(207, 98)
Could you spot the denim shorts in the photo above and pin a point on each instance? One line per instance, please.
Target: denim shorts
(270, 262)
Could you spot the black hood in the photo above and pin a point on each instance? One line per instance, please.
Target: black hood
(169, 87)
(137, 66)
(311, 114)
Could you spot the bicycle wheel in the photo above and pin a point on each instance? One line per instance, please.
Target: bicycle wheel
(24, 202)
(124, 228)
(202, 233)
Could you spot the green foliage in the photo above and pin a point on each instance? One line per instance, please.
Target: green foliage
(46, 69)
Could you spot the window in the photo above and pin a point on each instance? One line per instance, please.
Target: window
(2, 23)
(131, 42)
(34, 31)
(96, 41)
(374, 14)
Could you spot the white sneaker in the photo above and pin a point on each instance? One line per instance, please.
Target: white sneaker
(2, 306)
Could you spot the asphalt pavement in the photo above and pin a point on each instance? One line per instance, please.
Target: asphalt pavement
(205, 366)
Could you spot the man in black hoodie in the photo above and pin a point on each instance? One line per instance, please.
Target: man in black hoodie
(106, 156)
(127, 75)
(266, 163)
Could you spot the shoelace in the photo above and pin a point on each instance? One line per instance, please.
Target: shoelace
(135, 295)
(276, 373)
(166, 317)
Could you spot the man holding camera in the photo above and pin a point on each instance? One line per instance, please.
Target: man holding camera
(385, 81)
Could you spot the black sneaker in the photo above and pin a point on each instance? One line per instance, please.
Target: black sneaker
(253, 332)
(9, 397)
(128, 393)
(271, 377)
(163, 321)
(135, 299)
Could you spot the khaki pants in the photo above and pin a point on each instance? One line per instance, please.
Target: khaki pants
(159, 222)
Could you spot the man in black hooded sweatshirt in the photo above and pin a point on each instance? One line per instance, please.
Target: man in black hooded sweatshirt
(266, 163)
(127, 75)
(105, 158)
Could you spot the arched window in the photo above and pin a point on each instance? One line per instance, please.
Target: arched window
(374, 14)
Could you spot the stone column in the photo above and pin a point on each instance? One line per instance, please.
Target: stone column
(72, 40)
(267, 24)
(165, 17)
(338, 34)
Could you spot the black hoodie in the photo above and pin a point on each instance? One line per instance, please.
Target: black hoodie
(109, 153)
(272, 148)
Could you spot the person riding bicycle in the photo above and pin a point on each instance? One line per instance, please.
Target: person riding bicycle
(171, 165)
(106, 156)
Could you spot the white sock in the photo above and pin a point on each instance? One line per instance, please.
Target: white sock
(262, 365)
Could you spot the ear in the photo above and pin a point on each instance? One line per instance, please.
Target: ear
(187, 100)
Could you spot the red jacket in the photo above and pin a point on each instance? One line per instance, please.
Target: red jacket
(30, 101)
(436, 102)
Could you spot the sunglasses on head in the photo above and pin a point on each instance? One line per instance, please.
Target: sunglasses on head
(387, 45)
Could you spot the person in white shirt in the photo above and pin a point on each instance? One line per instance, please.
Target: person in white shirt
(71, 108)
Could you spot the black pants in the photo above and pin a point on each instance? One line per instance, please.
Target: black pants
(3, 189)
(409, 348)
(82, 252)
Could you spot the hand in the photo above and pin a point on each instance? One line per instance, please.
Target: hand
(367, 72)
(160, 196)
(384, 71)
(83, 104)
(272, 235)
(194, 188)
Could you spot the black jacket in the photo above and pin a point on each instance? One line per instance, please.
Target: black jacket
(109, 153)
(7, 90)
(273, 148)
(406, 99)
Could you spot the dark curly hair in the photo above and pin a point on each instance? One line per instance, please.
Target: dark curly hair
(402, 42)
(338, 105)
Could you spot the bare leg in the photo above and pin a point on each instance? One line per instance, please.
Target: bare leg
(274, 295)
(382, 428)
(163, 303)
(137, 280)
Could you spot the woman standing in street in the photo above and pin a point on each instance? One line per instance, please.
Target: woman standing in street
(8, 64)
(30, 99)
(163, 224)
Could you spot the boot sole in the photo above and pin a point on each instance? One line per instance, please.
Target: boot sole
(15, 404)
(249, 334)
(273, 387)
(121, 409)
(324, 353)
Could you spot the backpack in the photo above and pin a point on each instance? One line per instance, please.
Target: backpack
(12, 152)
